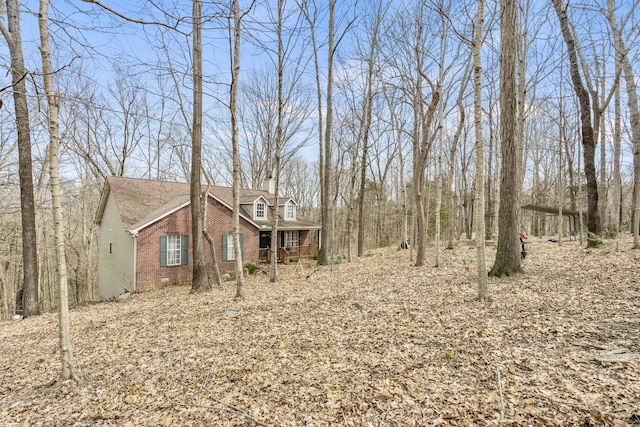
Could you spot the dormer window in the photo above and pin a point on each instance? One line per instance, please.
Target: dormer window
(290, 211)
(260, 210)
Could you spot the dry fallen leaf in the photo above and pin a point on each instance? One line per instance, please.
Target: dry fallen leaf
(373, 342)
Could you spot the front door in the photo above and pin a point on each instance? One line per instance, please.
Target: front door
(265, 244)
(265, 240)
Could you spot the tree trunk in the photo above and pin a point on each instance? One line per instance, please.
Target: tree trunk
(507, 260)
(616, 195)
(483, 293)
(13, 37)
(562, 132)
(325, 202)
(603, 168)
(422, 147)
(235, 143)
(402, 190)
(323, 257)
(588, 141)
(634, 111)
(373, 46)
(66, 353)
(570, 170)
(452, 156)
(489, 192)
(560, 184)
(437, 237)
(522, 47)
(579, 197)
(200, 281)
(212, 246)
(279, 144)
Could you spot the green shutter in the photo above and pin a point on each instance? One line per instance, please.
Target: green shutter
(163, 251)
(184, 247)
(224, 247)
(241, 245)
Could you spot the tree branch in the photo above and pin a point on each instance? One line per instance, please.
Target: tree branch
(136, 21)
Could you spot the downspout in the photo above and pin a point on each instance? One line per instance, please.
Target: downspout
(134, 234)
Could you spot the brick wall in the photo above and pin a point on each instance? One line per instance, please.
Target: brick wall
(149, 272)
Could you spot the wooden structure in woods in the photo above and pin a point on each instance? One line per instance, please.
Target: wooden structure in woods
(539, 225)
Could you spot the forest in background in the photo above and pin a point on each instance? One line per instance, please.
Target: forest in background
(392, 81)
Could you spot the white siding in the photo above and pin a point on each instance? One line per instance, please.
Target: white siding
(116, 261)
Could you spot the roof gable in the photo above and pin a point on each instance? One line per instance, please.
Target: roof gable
(136, 198)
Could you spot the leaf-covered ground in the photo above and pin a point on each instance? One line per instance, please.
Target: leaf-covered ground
(374, 342)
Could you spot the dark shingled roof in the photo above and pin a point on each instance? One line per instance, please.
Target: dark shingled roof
(142, 201)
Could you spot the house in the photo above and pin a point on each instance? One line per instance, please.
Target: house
(145, 232)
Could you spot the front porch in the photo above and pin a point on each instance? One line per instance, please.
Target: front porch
(292, 246)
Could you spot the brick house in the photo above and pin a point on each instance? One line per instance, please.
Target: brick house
(145, 232)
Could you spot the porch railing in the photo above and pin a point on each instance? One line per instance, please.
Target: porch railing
(290, 254)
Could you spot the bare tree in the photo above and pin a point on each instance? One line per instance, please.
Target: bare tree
(560, 178)
(454, 147)
(279, 141)
(12, 35)
(69, 370)
(632, 102)
(106, 131)
(348, 145)
(397, 124)
(279, 118)
(200, 281)
(125, 132)
(234, 51)
(507, 260)
(616, 196)
(588, 141)
(325, 161)
(310, 12)
(374, 29)
(594, 73)
(422, 133)
(441, 117)
(258, 115)
(483, 294)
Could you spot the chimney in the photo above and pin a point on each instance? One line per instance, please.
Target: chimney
(269, 185)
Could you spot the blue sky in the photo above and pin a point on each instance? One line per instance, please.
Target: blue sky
(99, 43)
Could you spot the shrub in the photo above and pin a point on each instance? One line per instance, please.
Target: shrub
(250, 267)
(595, 241)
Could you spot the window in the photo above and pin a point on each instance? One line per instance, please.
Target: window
(174, 250)
(261, 210)
(290, 211)
(228, 253)
(291, 239)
